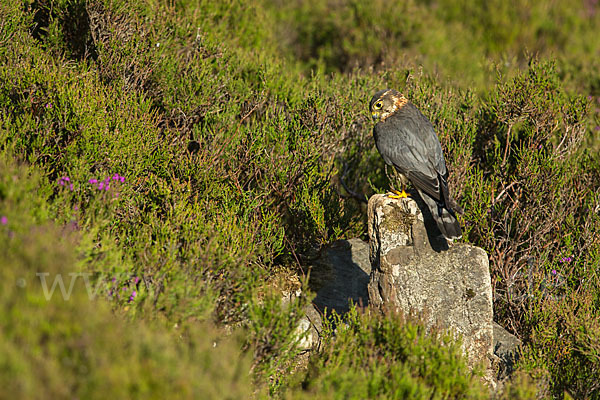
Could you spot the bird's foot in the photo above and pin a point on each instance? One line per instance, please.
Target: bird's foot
(398, 195)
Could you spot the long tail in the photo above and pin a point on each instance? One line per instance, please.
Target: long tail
(444, 217)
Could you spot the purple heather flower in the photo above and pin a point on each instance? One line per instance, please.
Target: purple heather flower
(122, 178)
(3, 220)
(92, 181)
(107, 187)
(133, 294)
(71, 186)
(101, 185)
(114, 279)
(64, 180)
(554, 272)
(48, 105)
(136, 279)
(597, 128)
(590, 98)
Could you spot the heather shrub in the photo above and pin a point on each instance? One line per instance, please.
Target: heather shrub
(391, 356)
(466, 42)
(541, 224)
(186, 198)
(190, 155)
(59, 337)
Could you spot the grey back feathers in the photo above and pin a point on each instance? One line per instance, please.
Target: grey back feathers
(406, 139)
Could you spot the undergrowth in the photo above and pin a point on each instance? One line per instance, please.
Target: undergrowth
(187, 154)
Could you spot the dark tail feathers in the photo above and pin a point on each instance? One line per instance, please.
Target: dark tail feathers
(444, 217)
(447, 222)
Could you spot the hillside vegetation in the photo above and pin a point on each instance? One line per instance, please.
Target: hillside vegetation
(177, 163)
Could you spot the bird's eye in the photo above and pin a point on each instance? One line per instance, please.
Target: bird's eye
(378, 105)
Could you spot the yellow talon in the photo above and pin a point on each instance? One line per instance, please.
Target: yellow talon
(398, 195)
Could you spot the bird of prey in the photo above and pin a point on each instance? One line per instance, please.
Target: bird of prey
(406, 140)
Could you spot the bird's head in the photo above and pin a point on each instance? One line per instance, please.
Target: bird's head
(385, 102)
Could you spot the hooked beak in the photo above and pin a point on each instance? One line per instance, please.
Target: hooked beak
(375, 115)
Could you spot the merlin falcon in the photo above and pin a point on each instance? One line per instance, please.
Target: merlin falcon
(406, 140)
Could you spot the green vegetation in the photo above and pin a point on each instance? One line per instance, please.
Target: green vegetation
(371, 358)
(186, 157)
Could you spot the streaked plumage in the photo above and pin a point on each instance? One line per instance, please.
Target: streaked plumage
(407, 140)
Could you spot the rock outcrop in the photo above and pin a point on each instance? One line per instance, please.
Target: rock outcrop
(342, 274)
(415, 271)
(408, 266)
(339, 277)
(506, 348)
